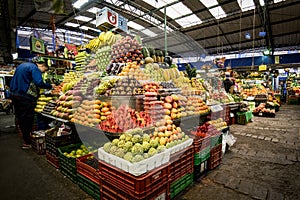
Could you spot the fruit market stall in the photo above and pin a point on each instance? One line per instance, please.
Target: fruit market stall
(134, 122)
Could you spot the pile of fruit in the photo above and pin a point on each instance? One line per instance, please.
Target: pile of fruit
(173, 108)
(126, 50)
(41, 103)
(82, 59)
(104, 39)
(103, 57)
(153, 70)
(135, 146)
(76, 153)
(105, 86)
(91, 113)
(219, 124)
(123, 119)
(67, 104)
(132, 70)
(124, 87)
(195, 105)
(70, 79)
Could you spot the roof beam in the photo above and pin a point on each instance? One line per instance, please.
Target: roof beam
(269, 28)
(27, 17)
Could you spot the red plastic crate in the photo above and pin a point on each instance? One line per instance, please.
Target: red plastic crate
(110, 191)
(52, 160)
(201, 143)
(126, 181)
(181, 163)
(215, 157)
(87, 170)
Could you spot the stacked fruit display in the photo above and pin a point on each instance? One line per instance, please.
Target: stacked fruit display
(201, 131)
(86, 85)
(153, 107)
(67, 104)
(105, 86)
(104, 39)
(123, 119)
(49, 107)
(70, 79)
(132, 70)
(196, 83)
(153, 70)
(90, 113)
(219, 124)
(41, 103)
(124, 87)
(147, 87)
(135, 146)
(195, 105)
(82, 59)
(103, 57)
(126, 50)
(172, 107)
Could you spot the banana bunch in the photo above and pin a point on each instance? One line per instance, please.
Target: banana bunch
(109, 38)
(94, 44)
(171, 74)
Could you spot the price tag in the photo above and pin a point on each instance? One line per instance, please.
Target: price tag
(250, 98)
(216, 108)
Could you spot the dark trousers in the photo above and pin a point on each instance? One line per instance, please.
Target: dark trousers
(24, 111)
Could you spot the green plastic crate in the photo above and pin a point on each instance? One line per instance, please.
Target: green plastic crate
(89, 186)
(201, 156)
(67, 165)
(216, 140)
(182, 183)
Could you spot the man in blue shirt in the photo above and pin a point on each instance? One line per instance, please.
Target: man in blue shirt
(24, 91)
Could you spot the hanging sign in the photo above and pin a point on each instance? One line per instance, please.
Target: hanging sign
(108, 19)
(262, 67)
(37, 45)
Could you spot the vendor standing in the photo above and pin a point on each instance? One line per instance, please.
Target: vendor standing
(227, 82)
(24, 91)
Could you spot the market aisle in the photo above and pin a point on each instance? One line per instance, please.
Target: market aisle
(26, 175)
(263, 164)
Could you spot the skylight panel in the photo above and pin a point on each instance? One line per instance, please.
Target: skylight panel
(71, 24)
(93, 22)
(262, 2)
(189, 21)
(149, 33)
(217, 12)
(209, 3)
(84, 28)
(177, 10)
(83, 18)
(135, 25)
(93, 10)
(94, 29)
(246, 5)
(278, 1)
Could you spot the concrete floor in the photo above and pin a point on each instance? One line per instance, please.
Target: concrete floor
(264, 163)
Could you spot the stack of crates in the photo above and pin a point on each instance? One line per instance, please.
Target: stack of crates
(117, 184)
(88, 176)
(67, 165)
(181, 171)
(201, 156)
(54, 142)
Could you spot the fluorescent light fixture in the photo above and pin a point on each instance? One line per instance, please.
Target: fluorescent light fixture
(266, 52)
(209, 3)
(189, 21)
(84, 28)
(149, 33)
(79, 3)
(93, 22)
(217, 12)
(246, 5)
(71, 24)
(88, 36)
(94, 29)
(135, 25)
(177, 10)
(83, 18)
(93, 10)
(262, 2)
(21, 32)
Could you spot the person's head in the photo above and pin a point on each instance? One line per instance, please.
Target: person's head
(41, 63)
(227, 75)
